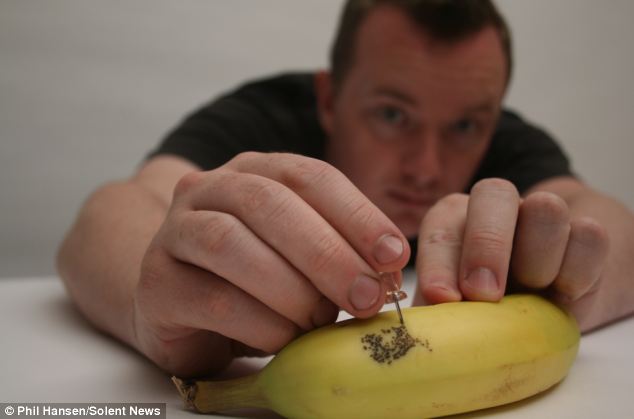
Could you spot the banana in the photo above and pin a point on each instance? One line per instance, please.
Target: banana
(448, 358)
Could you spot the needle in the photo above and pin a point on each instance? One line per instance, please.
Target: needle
(395, 294)
(398, 309)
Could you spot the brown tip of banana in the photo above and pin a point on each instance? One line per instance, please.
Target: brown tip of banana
(187, 391)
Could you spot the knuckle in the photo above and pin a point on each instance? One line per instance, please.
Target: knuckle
(260, 194)
(546, 207)
(495, 185)
(245, 157)
(444, 237)
(573, 289)
(306, 172)
(217, 233)
(327, 252)
(312, 166)
(188, 182)
(362, 213)
(589, 233)
(488, 241)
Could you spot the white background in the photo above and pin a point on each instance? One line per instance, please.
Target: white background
(87, 88)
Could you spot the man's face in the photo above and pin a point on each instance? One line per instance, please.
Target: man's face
(412, 118)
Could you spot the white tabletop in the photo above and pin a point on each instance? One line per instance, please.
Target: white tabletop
(49, 353)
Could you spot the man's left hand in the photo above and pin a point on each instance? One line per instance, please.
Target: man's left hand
(475, 246)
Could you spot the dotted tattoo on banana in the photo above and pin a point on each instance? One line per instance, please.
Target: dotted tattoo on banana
(399, 344)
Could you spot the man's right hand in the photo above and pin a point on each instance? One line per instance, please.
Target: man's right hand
(254, 253)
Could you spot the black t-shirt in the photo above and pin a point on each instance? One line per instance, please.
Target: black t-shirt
(279, 114)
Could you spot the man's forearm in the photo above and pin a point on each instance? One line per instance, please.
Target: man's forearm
(100, 258)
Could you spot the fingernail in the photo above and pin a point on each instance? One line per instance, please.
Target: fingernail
(483, 281)
(388, 249)
(364, 292)
(440, 293)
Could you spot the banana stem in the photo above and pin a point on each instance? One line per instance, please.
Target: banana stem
(218, 396)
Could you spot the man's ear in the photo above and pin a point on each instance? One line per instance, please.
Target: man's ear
(324, 91)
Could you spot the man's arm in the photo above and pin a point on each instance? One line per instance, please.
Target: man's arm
(100, 258)
(613, 296)
(101, 263)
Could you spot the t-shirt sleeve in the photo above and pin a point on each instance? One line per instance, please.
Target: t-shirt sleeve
(267, 115)
(523, 154)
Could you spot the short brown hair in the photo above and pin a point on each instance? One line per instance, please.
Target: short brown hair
(445, 20)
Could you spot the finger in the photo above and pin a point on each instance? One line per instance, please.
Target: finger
(218, 243)
(488, 239)
(297, 232)
(370, 232)
(540, 239)
(439, 249)
(181, 297)
(583, 260)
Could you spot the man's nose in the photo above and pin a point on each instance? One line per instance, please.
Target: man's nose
(422, 161)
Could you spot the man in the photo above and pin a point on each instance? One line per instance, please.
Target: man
(194, 267)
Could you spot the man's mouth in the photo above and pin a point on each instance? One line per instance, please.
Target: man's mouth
(411, 199)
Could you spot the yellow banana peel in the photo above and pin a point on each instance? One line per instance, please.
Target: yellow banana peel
(448, 358)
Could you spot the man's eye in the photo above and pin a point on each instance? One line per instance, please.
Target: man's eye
(392, 115)
(465, 126)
